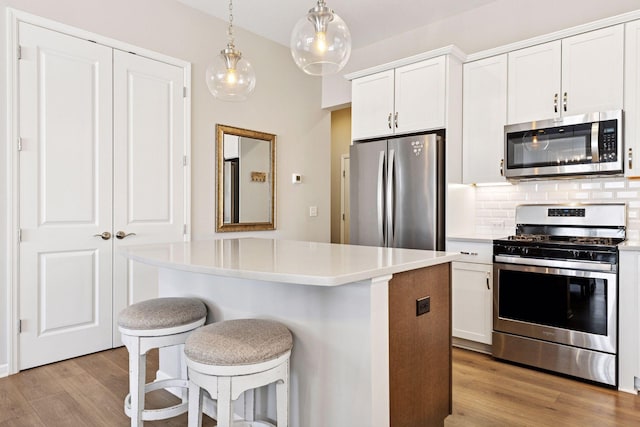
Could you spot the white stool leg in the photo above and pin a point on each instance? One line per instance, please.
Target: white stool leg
(183, 372)
(195, 405)
(137, 375)
(282, 399)
(225, 404)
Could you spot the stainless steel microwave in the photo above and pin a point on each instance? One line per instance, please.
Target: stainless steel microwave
(587, 144)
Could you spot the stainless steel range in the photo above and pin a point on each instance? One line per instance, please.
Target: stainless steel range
(555, 289)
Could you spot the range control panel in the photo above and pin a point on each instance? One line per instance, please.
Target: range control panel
(571, 212)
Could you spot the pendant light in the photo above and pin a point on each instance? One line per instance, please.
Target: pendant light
(230, 77)
(321, 41)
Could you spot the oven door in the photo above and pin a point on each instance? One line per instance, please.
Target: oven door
(572, 307)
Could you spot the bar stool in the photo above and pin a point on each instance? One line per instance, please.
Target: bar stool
(230, 357)
(156, 323)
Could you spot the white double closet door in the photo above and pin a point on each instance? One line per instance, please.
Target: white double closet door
(102, 149)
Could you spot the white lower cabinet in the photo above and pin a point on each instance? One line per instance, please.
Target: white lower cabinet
(472, 301)
(472, 298)
(629, 322)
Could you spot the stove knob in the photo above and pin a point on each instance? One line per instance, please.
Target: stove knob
(525, 251)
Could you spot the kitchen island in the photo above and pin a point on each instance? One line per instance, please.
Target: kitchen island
(362, 355)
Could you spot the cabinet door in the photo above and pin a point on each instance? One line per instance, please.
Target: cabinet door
(420, 96)
(372, 105)
(472, 301)
(593, 71)
(632, 99)
(484, 108)
(534, 83)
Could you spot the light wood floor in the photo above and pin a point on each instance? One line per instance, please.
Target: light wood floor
(88, 391)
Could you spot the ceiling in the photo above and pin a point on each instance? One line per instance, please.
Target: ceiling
(368, 20)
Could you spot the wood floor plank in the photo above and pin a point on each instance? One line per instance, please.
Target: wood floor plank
(487, 392)
(89, 391)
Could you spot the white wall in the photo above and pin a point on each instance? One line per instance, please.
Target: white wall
(495, 24)
(286, 102)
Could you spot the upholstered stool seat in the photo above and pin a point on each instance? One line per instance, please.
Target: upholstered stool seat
(230, 357)
(156, 323)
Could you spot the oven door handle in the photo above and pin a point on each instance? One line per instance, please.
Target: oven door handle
(576, 265)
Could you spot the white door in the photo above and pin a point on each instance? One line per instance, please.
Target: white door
(593, 71)
(472, 301)
(420, 96)
(372, 105)
(534, 91)
(148, 168)
(103, 151)
(65, 110)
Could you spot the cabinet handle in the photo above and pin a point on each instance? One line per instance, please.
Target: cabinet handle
(395, 120)
(389, 120)
(630, 158)
(564, 102)
(488, 287)
(501, 167)
(555, 103)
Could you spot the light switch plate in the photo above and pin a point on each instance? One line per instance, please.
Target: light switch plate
(313, 211)
(296, 178)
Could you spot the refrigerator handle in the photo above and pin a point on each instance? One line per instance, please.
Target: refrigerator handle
(391, 200)
(381, 230)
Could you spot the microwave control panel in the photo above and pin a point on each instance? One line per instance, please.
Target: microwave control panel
(608, 141)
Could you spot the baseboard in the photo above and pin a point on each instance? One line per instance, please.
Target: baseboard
(4, 370)
(471, 345)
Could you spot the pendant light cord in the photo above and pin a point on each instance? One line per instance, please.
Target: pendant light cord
(230, 30)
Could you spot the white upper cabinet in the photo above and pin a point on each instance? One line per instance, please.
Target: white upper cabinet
(372, 105)
(484, 112)
(420, 96)
(534, 83)
(407, 99)
(579, 74)
(632, 99)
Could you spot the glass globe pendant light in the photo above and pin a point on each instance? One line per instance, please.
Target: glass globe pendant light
(321, 41)
(230, 77)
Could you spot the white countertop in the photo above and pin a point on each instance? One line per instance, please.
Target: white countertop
(629, 246)
(286, 261)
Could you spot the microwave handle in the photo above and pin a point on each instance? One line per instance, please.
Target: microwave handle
(595, 156)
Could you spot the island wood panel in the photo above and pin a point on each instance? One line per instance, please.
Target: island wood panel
(420, 348)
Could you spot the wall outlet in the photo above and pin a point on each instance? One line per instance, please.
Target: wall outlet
(497, 224)
(423, 305)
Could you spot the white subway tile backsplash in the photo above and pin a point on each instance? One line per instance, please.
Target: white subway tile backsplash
(500, 202)
(627, 195)
(614, 184)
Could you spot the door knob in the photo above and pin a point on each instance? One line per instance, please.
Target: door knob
(105, 235)
(121, 234)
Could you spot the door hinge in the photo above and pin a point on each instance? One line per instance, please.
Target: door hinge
(343, 217)
(184, 160)
(19, 235)
(184, 91)
(184, 229)
(19, 144)
(20, 326)
(19, 53)
(344, 174)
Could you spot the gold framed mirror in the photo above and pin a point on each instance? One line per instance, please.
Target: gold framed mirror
(246, 162)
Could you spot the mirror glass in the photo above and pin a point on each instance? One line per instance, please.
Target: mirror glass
(246, 179)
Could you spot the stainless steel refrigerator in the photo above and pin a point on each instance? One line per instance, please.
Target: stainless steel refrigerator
(397, 192)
